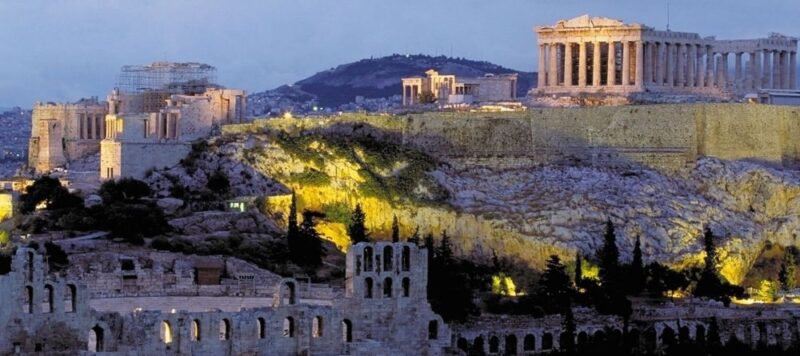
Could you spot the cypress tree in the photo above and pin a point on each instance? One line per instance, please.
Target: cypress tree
(637, 268)
(555, 285)
(415, 239)
(786, 275)
(711, 252)
(445, 248)
(578, 269)
(292, 231)
(395, 230)
(356, 229)
(308, 251)
(609, 257)
(567, 342)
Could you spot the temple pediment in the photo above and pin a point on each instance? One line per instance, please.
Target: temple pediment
(587, 21)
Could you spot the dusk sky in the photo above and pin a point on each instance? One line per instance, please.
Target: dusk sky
(64, 50)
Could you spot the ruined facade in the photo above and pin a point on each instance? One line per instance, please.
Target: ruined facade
(135, 305)
(449, 91)
(64, 132)
(601, 55)
(157, 111)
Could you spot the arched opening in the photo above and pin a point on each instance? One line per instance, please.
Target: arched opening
(388, 254)
(668, 337)
(368, 287)
(288, 327)
(406, 287)
(30, 266)
(529, 343)
(347, 331)
(494, 345)
(166, 332)
(599, 338)
(477, 346)
(462, 344)
(96, 339)
(196, 336)
(288, 294)
(70, 299)
(433, 330)
(511, 344)
(547, 341)
(28, 307)
(633, 339)
(47, 303)
(583, 339)
(368, 258)
(262, 328)
(224, 329)
(683, 335)
(650, 340)
(405, 259)
(387, 288)
(316, 326)
(700, 335)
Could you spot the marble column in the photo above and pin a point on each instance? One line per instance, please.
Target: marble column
(711, 62)
(552, 62)
(701, 66)
(661, 61)
(670, 65)
(785, 69)
(680, 50)
(626, 63)
(542, 65)
(582, 64)
(648, 63)
(722, 69)
(766, 70)
(596, 64)
(568, 64)
(639, 64)
(691, 59)
(611, 78)
(793, 70)
(738, 81)
(757, 79)
(776, 69)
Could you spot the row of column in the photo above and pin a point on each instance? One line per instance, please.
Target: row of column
(614, 63)
(410, 94)
(90, 126)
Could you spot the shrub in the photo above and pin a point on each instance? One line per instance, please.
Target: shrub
(218, 183)
(49, 191)
(56, 257)
(125, 189)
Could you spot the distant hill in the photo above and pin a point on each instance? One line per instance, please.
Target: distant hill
(378, 78)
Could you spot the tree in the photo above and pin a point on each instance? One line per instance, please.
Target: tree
(218, 182)
(445, 250)
(578, 269)
(567, 342)
(56, 257)
(661, 280)
(609, 258)
(49, 191)
(415, 239)
(307, 248)
(555, 285)
(787, 273)
(713, 340)
(711, 284)
(637, 269)
(123, 190)
(395, 230)
(356, 229)
(292, 231)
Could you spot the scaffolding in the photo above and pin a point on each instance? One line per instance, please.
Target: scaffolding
(157, 81)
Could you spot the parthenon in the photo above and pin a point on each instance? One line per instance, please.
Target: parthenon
(601, 55)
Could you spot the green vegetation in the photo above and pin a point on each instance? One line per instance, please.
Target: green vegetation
(337, 212)
(310, 177)
(57, 259)
(786, 276)
(710, 284)
(304, 242)
(356, 228)
(50, 192)
(219, 183)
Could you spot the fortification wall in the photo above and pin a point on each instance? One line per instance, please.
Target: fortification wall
(665, 137)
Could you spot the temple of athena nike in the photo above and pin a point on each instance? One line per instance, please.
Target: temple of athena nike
(602, 55)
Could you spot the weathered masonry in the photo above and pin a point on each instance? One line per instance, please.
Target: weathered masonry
(601, 55)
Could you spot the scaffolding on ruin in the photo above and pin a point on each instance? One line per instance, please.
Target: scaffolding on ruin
(157, 81)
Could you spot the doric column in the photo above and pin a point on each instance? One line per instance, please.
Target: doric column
(766, 77)
(552, 70)
(785, 81)
(582, 64)
(626, 63)
(680, 50)
(701, 67)
(776, 70)
(722, 71)
(568, 64)
(611, 78)
(756, 58)
(542, 62)
(738, 81)
(596, 64)
(639, 64)
(648, 63)
(793, 70)
(711, 61)
(661, 60)
(691, 63)
(670, 64)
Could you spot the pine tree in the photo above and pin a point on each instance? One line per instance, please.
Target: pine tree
(555, 285)
(308, 251)
(415, 239)
(567, 342)
(578, 269)
(787, 274)
(637, 268)
(445, 251)
(292, 229)
(609, 257)
(395, 230)
(356, 229)
(431, 249)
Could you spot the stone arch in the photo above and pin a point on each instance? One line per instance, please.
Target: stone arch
(529, 343)
(633, 339)
(583, 339)
(316, 326)
(224, 329)
(462, 344)
(684, 336)
(477, 345)
(614, 338)
(494, 344)
(96, 339)
(28, 307)
(47, 302)
(71, 298)
(387, 287)
(510, 346)
(406, 287)
(288, 327)
(405, 259)
(650, 339)
(165, 332)
(547, 341)
(287, 292)
(368, 284)
(388, 258)
(196, 334)
(347, 330)
(668, 337)
(700, 334)
(433, 330)
(261, 328)
(599, 338)
(368, 258)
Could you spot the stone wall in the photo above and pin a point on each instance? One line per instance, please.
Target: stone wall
(133, 159)
(64, 132)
